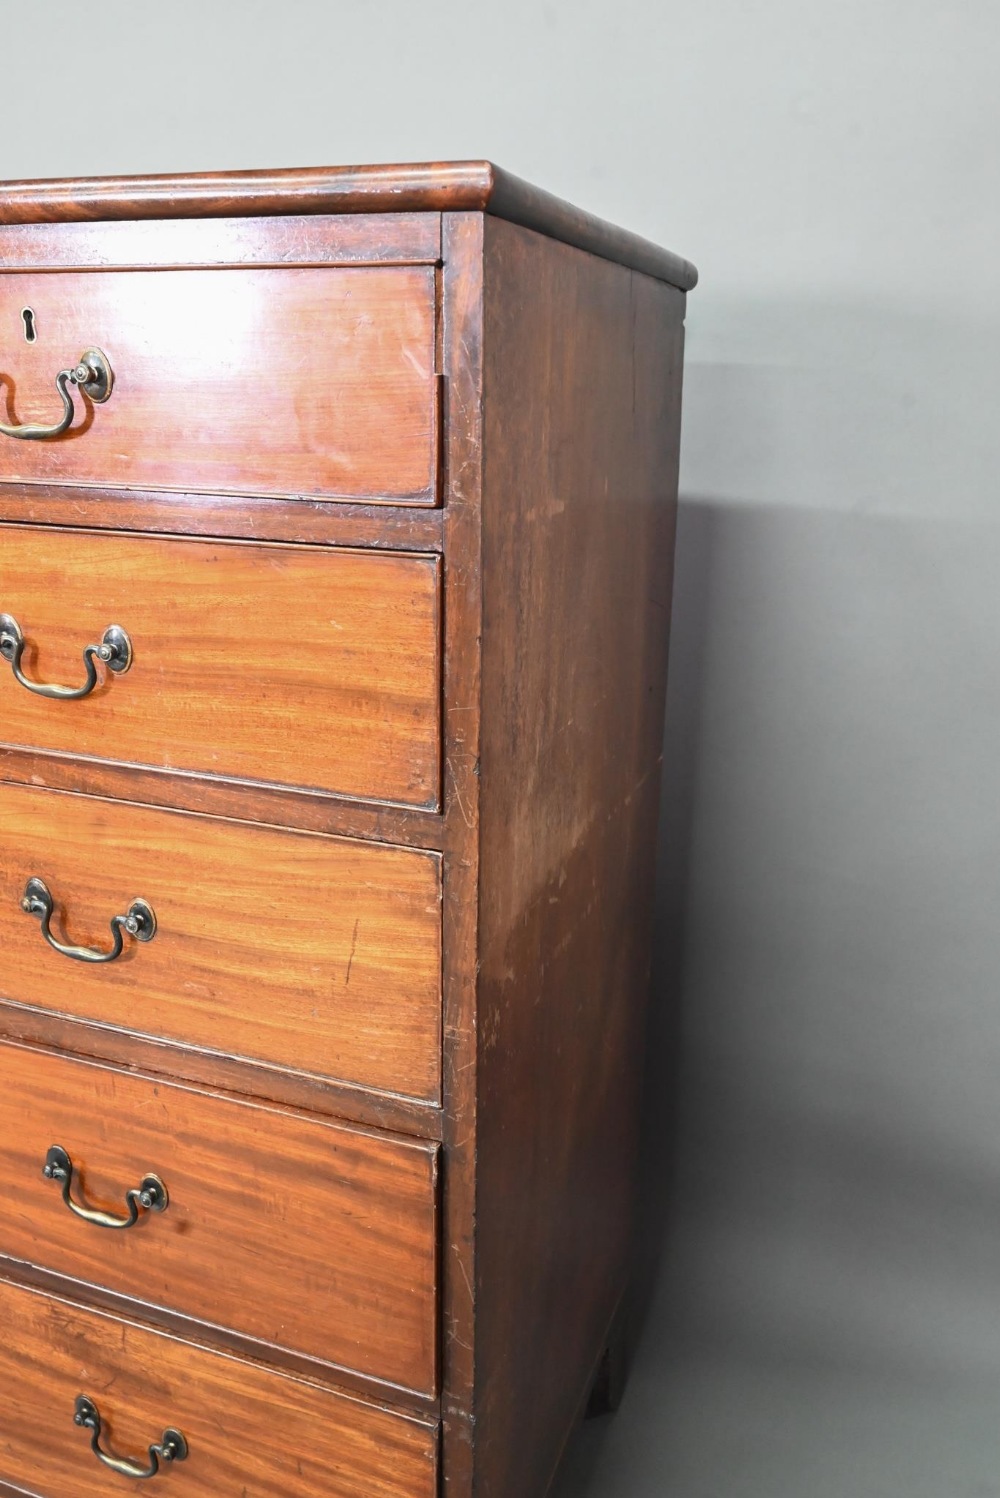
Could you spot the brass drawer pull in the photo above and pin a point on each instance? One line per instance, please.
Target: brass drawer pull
(115, 651)
(149, 1196)
(93, 375)
(171, 1446)
(138, 922)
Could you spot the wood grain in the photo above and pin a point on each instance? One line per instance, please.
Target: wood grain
(578, 522)
(291, 1230)
(524, 705)
(293, 239)
(447, 186)
(239, 516)
(270, 663)
(317, 954)
(462, 347)
(299, 382)
(277, 806)
(250, 1431)
(321, 1095)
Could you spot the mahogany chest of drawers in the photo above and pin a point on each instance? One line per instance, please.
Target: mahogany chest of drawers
(336, 528)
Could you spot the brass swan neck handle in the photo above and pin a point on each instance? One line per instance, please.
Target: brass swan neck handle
(139, 922)
(92, 375)
(149, 1196)
(171, 1447)
(114, 651)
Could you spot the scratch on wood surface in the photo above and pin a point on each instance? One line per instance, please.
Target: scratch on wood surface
(458, 794)
(465, 1276)
(354, 947)
(452, 1334)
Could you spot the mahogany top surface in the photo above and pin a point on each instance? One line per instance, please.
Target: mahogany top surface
(450, 186)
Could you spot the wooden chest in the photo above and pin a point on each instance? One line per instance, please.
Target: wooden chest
(336, 528)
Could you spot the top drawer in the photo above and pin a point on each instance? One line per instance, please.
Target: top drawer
(315, 382)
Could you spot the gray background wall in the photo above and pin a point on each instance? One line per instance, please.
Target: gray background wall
(822, 1211)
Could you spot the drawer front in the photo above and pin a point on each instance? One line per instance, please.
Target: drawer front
(292, 665)
(313, 953)
(299, 1233)
(248, 1431)
(299, 382)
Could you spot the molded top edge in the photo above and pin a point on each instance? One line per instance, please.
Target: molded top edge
(438, 187)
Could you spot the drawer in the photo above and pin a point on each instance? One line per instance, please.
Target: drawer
(318, 954)
(296, 1232)
(284, 381)
(292, 665)
(250, 1433)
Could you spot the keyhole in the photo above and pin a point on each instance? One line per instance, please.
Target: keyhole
(29, 325)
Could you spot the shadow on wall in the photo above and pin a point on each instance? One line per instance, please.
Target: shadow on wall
(661, 1118)
(821, 1101)
(821, 1181)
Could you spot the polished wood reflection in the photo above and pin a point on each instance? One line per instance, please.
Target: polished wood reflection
(300, 382)
(292, 665)
(249, 1429)
(318, 954)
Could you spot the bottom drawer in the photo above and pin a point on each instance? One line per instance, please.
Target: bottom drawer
(250, 1433)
